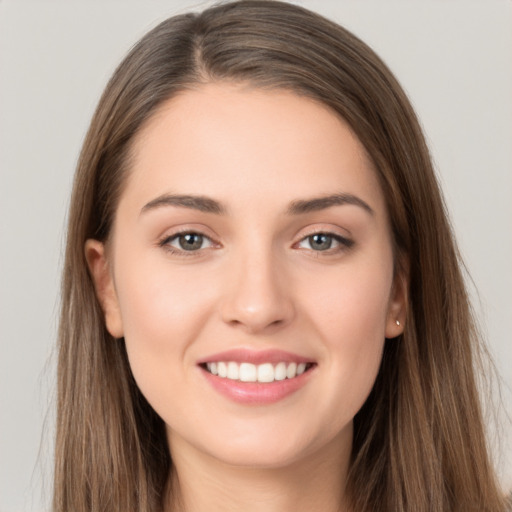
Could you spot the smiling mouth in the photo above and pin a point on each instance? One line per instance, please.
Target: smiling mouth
(262, 373)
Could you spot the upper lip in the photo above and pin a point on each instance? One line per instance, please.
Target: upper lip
(255, 357)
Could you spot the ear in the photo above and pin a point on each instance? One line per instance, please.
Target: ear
(397, 309)
(104, 285)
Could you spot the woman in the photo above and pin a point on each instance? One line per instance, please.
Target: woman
(262, 302)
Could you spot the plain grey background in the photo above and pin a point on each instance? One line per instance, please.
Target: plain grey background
(454, 59)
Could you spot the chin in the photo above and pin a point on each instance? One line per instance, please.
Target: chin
(271, 448)
(260, 458)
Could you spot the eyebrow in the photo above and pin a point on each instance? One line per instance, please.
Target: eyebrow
(298, 207)
(321, 203)
(201, 203)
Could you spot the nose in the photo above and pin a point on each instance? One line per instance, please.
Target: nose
(259, 298)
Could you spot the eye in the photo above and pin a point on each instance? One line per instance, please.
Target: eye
(189, 242)
(324, 241)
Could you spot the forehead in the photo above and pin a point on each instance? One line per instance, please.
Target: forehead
(242, 144)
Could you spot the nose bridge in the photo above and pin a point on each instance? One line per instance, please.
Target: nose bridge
(259, 297)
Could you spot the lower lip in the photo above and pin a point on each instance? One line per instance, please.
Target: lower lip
(257, 392)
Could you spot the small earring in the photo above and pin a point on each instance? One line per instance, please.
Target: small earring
(397, 322)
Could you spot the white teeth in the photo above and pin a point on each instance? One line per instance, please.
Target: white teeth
(291, 371)
(248, 372)
(265, 373)
(280, 371)
(222, 369)
(232, 371)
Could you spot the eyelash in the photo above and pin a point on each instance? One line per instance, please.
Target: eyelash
(164, 243)
(344, 243)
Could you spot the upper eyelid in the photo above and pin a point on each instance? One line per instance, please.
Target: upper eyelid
(304, 233)
(341, 240)
(167, 238)
(336, 236)
(172, 233)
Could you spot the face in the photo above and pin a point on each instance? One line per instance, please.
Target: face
(250, 271)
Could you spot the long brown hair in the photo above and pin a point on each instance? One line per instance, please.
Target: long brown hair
(419, 441)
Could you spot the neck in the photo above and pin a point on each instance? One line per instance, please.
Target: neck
(200, 483)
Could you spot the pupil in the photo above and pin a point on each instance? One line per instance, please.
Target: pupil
(320, 242)
(191, 241)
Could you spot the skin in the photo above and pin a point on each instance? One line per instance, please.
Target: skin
(257, 282)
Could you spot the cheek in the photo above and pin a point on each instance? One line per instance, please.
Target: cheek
(350, 317)
(352, 303)
(162, 314)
